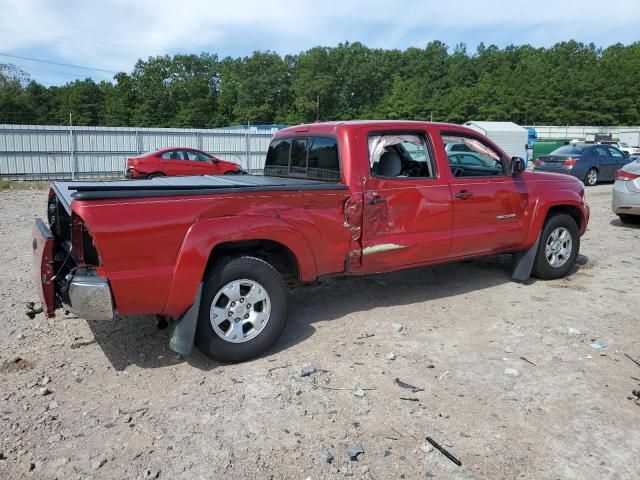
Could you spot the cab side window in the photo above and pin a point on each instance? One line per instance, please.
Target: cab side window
(400, 155)
(470, 157)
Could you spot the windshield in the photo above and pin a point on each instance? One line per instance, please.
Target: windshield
(568, 150)
(625, 145)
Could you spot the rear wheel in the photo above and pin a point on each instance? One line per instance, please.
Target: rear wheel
(558, 249)
(626, 218)
(243, 309)
(156, 175)
(591, 178)
(231, 172)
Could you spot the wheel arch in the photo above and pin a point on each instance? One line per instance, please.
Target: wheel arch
(208, 240)
(558, 201)
(571, 210)
(275, 253)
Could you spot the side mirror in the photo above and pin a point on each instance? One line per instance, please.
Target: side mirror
(517, 166)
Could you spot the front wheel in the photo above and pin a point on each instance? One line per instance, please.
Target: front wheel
(558, 248)
(243, 309)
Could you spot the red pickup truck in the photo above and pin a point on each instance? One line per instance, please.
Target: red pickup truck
(215, 254)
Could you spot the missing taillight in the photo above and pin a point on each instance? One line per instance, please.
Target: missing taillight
(84, 250)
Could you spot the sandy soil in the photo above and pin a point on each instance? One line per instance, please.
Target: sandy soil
(119, 404)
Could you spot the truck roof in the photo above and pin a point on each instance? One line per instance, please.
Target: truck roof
(331, 127)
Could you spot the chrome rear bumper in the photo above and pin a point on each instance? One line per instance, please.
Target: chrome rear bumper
(89, 296)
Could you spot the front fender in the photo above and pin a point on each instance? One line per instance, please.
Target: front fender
(551, 199)
(203, 236)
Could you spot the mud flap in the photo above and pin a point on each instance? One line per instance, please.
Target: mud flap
(183, 331)
(523, 262)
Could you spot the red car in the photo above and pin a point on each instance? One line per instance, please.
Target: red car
(215, 255)
(171, 162)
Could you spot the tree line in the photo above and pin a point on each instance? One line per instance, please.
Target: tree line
(569, 83)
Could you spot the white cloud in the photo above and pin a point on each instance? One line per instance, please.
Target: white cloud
(114, 34)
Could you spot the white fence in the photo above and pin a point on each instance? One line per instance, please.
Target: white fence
(578, 132)
(34, 152)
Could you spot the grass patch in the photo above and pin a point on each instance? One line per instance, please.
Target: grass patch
(24, 185)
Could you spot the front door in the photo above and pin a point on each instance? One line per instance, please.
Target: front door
(489, 204)
(407, 205)
(200, 164)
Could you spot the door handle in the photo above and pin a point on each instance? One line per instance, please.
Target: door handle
(464, 194)
(376, 200)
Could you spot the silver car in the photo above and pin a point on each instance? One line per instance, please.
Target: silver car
(626, 192)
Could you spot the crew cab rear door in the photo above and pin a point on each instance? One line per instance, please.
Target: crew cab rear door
(407, 213)
(489, 204)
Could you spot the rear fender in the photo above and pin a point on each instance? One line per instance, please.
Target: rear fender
(203, 237)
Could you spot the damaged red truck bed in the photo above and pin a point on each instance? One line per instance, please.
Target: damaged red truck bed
(215, 254)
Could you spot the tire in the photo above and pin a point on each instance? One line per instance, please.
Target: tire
(156, 175)
(236, 339)
(626, 218)
(557, 252)
(231, 172)
(591, 177)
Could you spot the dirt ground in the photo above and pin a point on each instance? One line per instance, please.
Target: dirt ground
(119, 404)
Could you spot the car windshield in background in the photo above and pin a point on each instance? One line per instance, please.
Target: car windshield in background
(568, 150)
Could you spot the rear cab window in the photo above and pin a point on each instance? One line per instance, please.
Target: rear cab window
(312, 157)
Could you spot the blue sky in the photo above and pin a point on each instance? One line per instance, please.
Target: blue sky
(112, 34)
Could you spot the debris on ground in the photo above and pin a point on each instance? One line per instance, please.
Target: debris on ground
(525, 359)
(599, 345)
(390, 356)
(326, 455)
(426, 447)
(354, 450)
(512, 372)
(359, 392)
(634, 361)
(397, 327)
(307, 369)
(408, 386)
(444, 452)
